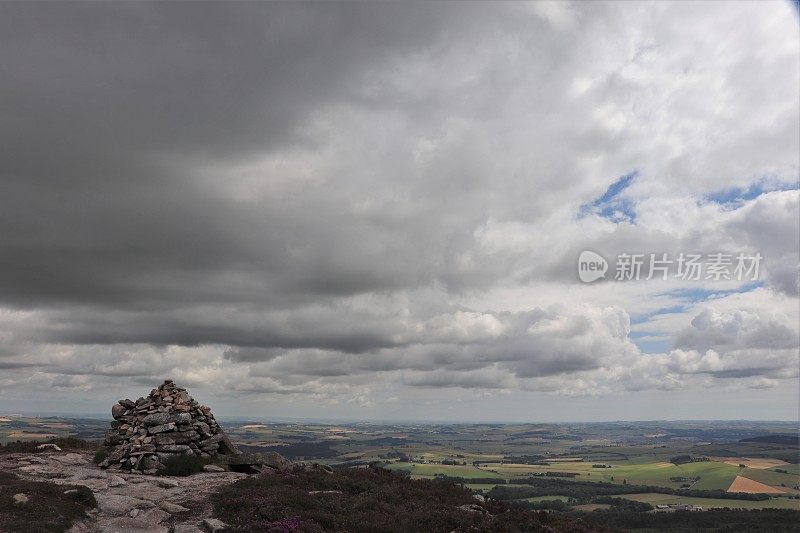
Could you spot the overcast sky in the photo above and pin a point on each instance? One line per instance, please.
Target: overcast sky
(375, 211)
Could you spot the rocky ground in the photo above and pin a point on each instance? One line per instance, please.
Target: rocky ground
(127, 503)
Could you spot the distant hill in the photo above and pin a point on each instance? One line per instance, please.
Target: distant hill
(788, 440)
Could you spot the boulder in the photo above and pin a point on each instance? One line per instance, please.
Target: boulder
(117, 411)
(254, 462)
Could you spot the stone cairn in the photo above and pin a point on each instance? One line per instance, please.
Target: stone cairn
(166, 424)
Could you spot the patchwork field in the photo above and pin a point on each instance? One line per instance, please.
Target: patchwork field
(711, 503)
(542, 459)
(742, 484)
(705, 475)
(758, 464)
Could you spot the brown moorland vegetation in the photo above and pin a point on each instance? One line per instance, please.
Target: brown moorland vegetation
(371, 500)
(49, 507)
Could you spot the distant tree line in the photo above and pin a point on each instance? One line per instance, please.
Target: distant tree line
(683, 459)
(585, 490)
(772, 520)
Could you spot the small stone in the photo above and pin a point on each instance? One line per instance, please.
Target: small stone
(166, 483)
(116, 481)
(153, 516)
(472, 508)
(212, 525)
(172, 507)
(134, 513)
(20, 499)
(213, 468)
(53, 447)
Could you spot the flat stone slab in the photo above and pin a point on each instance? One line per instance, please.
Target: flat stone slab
(130, 525)
(157, 502)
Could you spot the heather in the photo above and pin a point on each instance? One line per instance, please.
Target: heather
(370, 500)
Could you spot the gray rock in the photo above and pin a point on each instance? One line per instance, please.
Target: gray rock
(473, 508)
(52, 447)
(183, 418)
(150, 463)
(130, 525)
(186, 528)
(174, 448)
(71, 459)
(156, 419)
(169, 426)
(118, 505)
(211, 440)
(116, 481)
(153, 516)
(212, 525)
(172, 507)
(213, 468)
(20, 499)
(167, 483)
(117, 411)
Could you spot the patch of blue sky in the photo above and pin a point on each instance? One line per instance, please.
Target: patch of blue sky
(734, 196)
(646, 317)
(649, 342)
(698, 294)
(611, 205)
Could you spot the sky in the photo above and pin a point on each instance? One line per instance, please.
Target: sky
(375, 211)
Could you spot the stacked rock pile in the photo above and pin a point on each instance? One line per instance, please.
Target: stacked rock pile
(165, 424)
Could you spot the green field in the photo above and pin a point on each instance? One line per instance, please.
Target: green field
(770, 477)
(713, 475)
(666, 499)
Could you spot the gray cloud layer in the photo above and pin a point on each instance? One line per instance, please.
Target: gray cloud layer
(302, 197)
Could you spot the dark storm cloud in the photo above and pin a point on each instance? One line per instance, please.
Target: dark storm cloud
(103, 102)
(299, 197)
(12, 365)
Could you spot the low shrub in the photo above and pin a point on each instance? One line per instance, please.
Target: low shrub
(100, 455)
(183, 465)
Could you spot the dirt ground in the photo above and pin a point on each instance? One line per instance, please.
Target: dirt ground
(742, 484)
